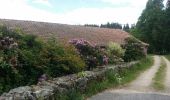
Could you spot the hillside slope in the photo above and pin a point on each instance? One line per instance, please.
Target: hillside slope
(67, 32)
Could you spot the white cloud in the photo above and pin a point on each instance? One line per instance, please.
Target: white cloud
(115, 2)
(19, 9)
(103, 15)
(43, 2)
(134, 3)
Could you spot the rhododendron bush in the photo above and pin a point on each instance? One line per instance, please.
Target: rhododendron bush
(25, 58)
(91, 54)
(98, 55)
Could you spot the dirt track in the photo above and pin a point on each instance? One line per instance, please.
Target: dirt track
(144, 81)
(142, 85)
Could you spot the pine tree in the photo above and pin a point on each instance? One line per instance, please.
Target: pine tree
(167, 25)
(126, 28)
(149, 25)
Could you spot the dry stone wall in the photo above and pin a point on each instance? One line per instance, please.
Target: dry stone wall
(47, 90)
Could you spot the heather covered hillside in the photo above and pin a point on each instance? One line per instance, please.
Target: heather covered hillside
(67, 32)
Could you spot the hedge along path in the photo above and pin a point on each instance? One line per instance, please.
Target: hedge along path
(167, 78)
(144, 81)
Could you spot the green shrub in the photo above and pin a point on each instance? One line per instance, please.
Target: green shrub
(134, 49)
(8, 77)
(115, 53)
(61, 60)
(116, 49)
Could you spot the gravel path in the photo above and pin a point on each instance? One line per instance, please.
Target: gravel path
(141, 87)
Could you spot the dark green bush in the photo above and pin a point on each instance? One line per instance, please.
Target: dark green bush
(133, 49)
(61, 60)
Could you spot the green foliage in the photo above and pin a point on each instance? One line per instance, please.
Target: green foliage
(112, 79)
(70, 95)
(61, 60)
(134, 49)
(8, 77)
(153, 27)
(116, 49)
(115, 52)
(166, 28)
(82, 74)
(24, 58)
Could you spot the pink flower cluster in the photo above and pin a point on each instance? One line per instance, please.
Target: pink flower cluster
(80, 42)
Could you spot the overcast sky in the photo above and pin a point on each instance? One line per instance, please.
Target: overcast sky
(73, 11)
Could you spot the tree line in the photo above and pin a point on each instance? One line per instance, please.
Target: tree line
(153, 26)
(113, 25)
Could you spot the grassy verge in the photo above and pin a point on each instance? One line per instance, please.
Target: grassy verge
(158, 80)
(113, 79)
(168, 57)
